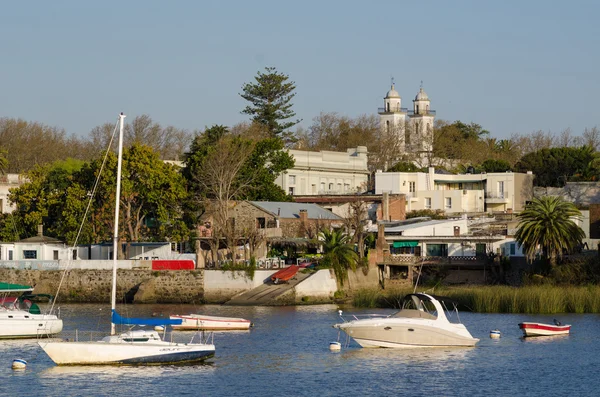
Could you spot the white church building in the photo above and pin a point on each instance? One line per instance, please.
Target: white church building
(414, 128)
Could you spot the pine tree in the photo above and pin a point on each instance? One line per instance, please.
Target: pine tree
(270, 101)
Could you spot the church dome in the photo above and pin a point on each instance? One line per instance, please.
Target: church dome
(422, 95)
(392, 93)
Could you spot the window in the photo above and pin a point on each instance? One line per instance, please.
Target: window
(29, 254)
(10, 255)
(480, 249)
(346, 187)
(313, 188)
(437, 250)
(402, 250)
(261, 223)
(412, 187)
(291, 191)
(322, 186)
(513, 248)
(501, 189)
(428, 203)
(339, 187)
(55, 255)
(387, 126)
(331, 186)
(292, 179)
(74, 254)
(448, 201)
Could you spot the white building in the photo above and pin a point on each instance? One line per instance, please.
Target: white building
(326, 172)
(414, 128)
(492, 192)
(8, 182)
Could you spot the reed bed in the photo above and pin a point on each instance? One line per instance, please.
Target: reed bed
(543, 299)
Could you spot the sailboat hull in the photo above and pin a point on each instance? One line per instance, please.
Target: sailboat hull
(102, 353)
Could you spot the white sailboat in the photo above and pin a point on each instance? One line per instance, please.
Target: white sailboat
(135, 347)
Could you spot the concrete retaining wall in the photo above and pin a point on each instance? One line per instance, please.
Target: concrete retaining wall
(319, 286)
(222, 285)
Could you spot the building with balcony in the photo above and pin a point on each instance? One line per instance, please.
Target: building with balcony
(465, 193)
(326, 172)
(446, 249)
(413, 128)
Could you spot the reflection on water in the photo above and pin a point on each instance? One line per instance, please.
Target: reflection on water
(434, 358)
(125, 372)
(544, 339)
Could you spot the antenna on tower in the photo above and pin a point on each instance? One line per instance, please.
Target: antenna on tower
(392, 78)
(421, 84)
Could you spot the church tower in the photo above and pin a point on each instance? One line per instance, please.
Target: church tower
(421, 124)
(392, 117)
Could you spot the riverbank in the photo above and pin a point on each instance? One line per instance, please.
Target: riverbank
(497, 299)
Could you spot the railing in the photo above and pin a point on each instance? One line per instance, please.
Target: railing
(496, 195)
(408, 259)
(392, 110)
(424, 112)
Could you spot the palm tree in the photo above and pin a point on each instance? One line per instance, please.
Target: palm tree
(338, 253)
(547, 223)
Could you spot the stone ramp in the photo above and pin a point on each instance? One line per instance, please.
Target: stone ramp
(266, 294)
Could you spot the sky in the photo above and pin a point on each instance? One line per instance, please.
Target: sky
(510, 66)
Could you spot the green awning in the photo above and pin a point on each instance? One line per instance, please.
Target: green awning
(6, 287)
(400, 244)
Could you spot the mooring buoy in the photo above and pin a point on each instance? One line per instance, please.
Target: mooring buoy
(19, 364)
(335, 346)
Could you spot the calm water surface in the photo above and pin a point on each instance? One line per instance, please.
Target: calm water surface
(287, 354)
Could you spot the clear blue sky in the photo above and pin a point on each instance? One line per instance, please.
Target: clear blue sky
(511, 66)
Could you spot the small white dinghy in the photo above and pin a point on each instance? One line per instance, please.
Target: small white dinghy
(199, 322)
(540, 329)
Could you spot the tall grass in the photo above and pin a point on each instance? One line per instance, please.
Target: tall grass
(545, 299)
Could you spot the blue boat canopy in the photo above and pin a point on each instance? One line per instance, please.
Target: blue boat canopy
(117, 319)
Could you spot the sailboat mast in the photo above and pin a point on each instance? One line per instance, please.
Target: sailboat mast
(113, 301)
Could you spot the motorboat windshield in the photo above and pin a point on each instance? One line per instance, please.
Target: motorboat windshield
(418, 306)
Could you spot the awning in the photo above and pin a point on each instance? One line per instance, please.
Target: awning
(400, 244)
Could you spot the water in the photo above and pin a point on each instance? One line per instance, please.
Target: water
(287, 354)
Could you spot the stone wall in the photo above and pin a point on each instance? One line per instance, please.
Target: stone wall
(94, 286)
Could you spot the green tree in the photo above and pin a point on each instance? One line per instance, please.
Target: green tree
(492, 165)
(338, 253)
(404, 166)
(547, 224)
(270, 101)
(40, 201)
(554, 167)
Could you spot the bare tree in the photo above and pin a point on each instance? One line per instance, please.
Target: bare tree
(221, 179)
(355, 223)
(591, 137)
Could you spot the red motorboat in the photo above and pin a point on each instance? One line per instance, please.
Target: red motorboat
(540, 329)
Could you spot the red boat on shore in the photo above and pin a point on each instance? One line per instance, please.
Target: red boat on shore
(285, 274)
(540, 329)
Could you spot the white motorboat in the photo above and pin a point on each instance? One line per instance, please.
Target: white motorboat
(134, 347)
(20, 317)
(422, 322)
(210, 323)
